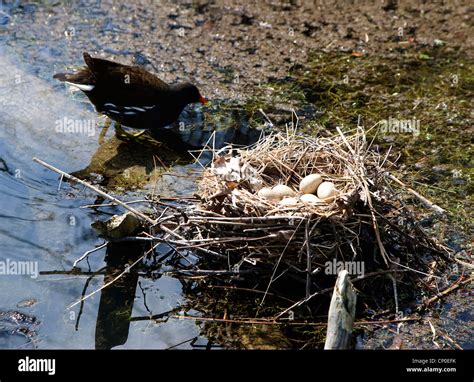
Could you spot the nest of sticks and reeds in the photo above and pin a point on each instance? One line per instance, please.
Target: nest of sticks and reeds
(280, 219)
(292, 210)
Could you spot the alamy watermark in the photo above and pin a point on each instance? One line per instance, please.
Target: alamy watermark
(37, 365)
(400, 126)
(10, 267)
(75, 126)
(355, 268)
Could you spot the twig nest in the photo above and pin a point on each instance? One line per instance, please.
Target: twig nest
(327, 191)
(281, 191)
(266, 193)
(310, 198)
(310, 183)
(289, 202)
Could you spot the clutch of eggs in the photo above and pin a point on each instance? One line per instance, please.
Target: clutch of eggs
(312, 188)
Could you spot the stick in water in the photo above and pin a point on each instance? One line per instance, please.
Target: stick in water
(425, 201)
(96, 190)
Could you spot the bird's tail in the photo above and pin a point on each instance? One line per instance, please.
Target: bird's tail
(61, 76)
(82, 79)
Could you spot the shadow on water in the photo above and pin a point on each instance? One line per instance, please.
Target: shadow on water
(40, 224)
(116, 301)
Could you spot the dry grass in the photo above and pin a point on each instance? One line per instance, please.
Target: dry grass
(286, 158)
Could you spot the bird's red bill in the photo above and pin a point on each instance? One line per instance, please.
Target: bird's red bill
(203, 100)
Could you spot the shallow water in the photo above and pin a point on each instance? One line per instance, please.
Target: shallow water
(42, 225)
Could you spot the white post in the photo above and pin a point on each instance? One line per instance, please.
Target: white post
(341, 313)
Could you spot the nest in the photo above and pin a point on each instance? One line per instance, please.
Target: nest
(255, 225)
(230, 185)
(290, 253)
(241, 235)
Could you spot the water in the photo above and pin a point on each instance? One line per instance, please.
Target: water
(42, 225)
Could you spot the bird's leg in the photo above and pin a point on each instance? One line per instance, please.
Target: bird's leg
(106, 126)
(121, 133)
(136, 135)
(139, 137)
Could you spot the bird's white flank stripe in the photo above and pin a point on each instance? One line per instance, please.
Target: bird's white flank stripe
(138, 108)
(84, 87)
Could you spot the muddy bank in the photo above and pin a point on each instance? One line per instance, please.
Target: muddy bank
(231, 43)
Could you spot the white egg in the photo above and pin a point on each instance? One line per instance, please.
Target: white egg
(266, 193)
(282, 191)
(327, 191)
(309, 184)
(288, 202)
(310, 198)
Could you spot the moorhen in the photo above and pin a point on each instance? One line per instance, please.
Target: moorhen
(130, 95)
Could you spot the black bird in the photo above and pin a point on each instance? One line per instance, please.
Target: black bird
(130, 95)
